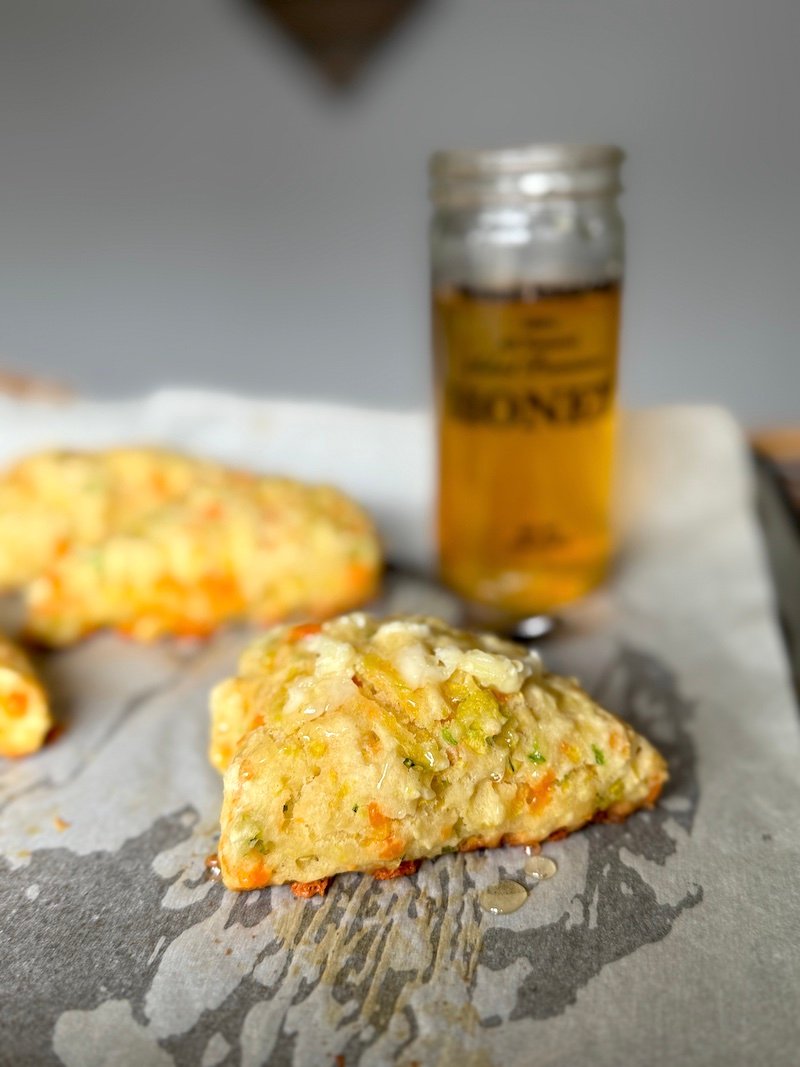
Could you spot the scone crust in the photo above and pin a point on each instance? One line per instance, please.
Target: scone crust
(366, 745)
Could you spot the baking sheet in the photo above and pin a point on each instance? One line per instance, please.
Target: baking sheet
(668, 940)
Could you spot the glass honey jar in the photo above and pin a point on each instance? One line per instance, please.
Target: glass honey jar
(527, 265)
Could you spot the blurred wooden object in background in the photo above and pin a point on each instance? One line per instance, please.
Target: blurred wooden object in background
(27, 388)
(339, 36)
(778, 497)
(781, 447)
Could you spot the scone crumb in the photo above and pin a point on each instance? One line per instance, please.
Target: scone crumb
(401, 871)
(304, 890)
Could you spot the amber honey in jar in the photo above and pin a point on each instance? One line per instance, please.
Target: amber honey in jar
(527, 268)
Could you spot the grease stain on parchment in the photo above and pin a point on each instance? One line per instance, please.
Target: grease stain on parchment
(378, 972)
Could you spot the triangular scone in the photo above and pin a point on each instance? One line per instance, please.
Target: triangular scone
(24, 711)
(367, 745)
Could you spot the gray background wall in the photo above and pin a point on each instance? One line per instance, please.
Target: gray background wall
(182, 202)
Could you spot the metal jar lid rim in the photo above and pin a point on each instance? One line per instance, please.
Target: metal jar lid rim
(525, 172)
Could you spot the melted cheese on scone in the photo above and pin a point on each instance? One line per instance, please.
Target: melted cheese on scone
(363, 745)
(24, 712)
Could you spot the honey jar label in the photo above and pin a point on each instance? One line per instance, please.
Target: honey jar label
(526, 390)
(517, 361)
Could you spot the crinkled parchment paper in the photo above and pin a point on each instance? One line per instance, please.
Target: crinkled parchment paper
(669, 940)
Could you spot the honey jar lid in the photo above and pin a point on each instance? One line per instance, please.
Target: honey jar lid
(530, 172)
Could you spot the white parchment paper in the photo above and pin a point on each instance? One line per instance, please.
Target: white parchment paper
(669, 940)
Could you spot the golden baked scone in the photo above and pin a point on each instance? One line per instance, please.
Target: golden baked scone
(55, 501)
(261, 549)
(155, 542)
(24, 711)
(368, 745)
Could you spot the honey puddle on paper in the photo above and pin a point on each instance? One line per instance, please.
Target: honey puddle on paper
(507, 896)
(503, 898)
(540, 868)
